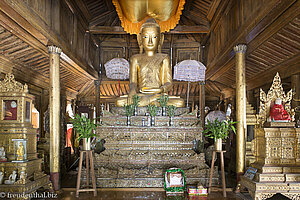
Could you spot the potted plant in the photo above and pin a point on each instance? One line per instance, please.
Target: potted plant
(171, 113)
(135, 101)
(163, 101)
(219, 130)
(129, 111)
(152, 110)
(85, 128)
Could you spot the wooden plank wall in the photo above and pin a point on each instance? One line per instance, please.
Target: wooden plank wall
(63, 24)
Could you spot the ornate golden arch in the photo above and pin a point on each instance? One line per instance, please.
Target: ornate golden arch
(276, 91)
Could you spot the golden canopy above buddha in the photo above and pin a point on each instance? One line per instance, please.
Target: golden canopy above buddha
(150, 72)
(134, 13)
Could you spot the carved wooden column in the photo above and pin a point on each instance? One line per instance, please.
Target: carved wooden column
(240, 51)
(295, 84)
(202, 102)
(97, 94)
(54, 53)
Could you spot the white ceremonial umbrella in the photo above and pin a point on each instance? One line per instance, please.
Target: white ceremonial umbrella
(117, 68)
(213, 115)
(190, 71)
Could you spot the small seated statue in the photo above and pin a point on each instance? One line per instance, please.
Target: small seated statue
(150, 73)
(12, 178)
(20, 152)
(2, 154)
(1, 177)
(23, 176)
(278, 113)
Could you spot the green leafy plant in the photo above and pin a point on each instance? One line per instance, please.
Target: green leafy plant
(84, 127)
(136, 99)
(152, 110)
(219, 130)
(129, 109)
(163, 100)
(171, 110)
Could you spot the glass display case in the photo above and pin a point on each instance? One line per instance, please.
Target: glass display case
(10, 108)
(20, 150)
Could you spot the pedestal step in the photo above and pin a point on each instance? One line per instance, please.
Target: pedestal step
(138, 156)
(145, 182)
(141, 111)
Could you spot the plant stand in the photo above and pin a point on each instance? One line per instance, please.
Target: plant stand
(89, 160)
(222, 171)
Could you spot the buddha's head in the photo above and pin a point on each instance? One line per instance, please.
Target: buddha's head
(150, 38)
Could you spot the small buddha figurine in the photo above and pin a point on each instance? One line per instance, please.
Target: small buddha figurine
(20, 152)
(23, 176)
(150, 73)
(278, 113)
(12, 178)
(2, 154)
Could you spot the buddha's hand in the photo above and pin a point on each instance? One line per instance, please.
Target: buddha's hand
(153, 90)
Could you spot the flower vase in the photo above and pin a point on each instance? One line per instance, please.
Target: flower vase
(163, 111)
(218, 144)
(86, 144)
(128, 120)
(152, 121)
(171, 121)
(135, 111)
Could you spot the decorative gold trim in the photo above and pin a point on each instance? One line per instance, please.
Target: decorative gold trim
(9, 84)
(54, 49)
(240, 48)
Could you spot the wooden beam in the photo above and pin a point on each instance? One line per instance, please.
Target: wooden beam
(101, 18)
(17, 17)
(22, 72)
(212, 9)
(282, 11)
(83, 9)
(285, 69)
(179, 29)
(102, 90)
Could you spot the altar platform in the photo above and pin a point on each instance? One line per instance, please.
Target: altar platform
(138, 156)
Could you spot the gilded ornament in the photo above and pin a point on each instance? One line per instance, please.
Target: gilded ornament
(15, 127)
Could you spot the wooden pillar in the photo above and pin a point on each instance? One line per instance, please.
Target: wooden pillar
(202, 102)
(97, 92)
(42, 113)
(54, 53)
(240, 66)
(295, 84)
(86, 46)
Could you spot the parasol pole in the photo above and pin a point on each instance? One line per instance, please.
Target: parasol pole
(119, 83)
(188, 94)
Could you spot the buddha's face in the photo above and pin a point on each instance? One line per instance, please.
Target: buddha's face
(150, 38)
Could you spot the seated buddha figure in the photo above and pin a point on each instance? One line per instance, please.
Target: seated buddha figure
(278, 113)
(150, 73)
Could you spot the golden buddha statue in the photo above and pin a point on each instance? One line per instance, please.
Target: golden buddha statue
(20, 152)
(150, 72)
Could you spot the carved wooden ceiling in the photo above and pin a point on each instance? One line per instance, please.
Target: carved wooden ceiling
(273, 42)
(272, 36)
(30, 62)
(102, 12)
